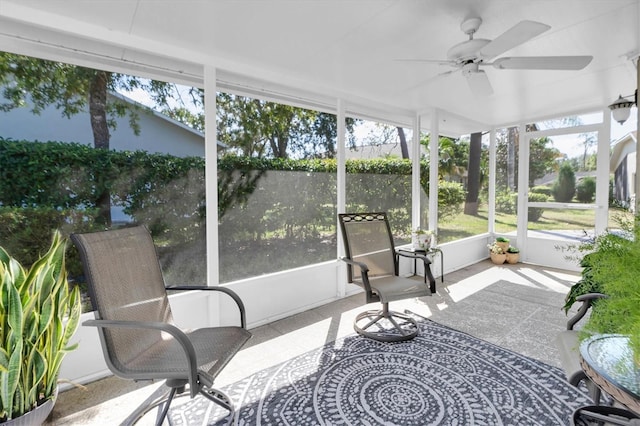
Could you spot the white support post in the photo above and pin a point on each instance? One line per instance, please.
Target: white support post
(637, 179)
(602, 174)
(433, 170)
(341, 185)
(211, 175)
(416, 191)
(523, 188)
(492, 181)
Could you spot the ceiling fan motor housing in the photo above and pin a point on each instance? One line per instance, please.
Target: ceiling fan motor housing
(469, 68)
(470, 25)
(467, 50)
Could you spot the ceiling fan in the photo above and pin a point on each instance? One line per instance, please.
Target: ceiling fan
(474, 53)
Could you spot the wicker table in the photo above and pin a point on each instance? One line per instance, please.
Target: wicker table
(608, 360)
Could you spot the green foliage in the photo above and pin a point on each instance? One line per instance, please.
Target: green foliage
(535, 213)
(502, 239)
(451, 195)
(614, 270)
(513, 249)
(541, 189)
(506, 201)
(256, 128)
(546, 157)
(38, 316)
(25, 232)
(38, 83)
(508, 153)
(564, 187)
(55, 184)
(586, 284)
(586, 190)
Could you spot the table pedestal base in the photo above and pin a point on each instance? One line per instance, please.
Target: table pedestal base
(603, 415)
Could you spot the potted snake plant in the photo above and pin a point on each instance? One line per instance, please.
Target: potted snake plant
(38, 316)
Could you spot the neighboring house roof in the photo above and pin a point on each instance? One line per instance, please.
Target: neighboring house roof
(159, 133)
(621, 148)
(157, 114)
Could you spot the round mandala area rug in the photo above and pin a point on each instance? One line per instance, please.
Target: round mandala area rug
(442, 377)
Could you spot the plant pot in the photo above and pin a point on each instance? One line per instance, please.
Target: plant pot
(34, 417)
(421, 241)
(513, 257)
(498, 259)
(504, 246)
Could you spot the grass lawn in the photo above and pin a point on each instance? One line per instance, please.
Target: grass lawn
(463, 226)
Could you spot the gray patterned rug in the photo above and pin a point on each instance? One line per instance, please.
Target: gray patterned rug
(442, 377)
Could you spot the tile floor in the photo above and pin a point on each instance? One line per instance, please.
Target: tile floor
(514, 306)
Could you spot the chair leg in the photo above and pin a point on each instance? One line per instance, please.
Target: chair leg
(223, 400)
(161, 398)
(389, 326)
(158, 397)
(164, 408)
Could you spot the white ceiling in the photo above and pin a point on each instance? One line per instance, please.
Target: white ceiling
(318, 51)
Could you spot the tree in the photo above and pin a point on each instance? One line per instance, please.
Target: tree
(257, 128)
(544, 159)
(453, 157)
(403, 143)
(565, 187)
(38, 83)
(473, 175)
(589, 142)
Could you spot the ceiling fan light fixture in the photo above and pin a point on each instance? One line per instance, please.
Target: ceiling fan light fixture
(621, 109)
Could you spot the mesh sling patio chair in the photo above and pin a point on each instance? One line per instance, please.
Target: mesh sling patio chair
(135, 323)
(372, 264)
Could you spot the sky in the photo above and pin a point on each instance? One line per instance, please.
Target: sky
(572, 145)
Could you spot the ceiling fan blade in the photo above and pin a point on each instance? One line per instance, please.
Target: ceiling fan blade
(429, 61)
(543, 62)
(479, 83)
(515, 36)
(429, 80)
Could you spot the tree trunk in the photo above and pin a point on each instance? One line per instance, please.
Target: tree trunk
(98, 109)
(473, 175)
(98, 114)
(403, 143)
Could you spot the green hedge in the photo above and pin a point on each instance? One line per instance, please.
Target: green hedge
(258, 199)
(535, 213)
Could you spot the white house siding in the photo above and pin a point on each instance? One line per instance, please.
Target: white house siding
(158, 134)
(623, 164)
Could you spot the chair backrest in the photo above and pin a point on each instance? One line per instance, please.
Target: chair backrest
(368, 239)
(125, 283)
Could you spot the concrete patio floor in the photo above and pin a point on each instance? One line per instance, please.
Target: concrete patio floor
(514, 306)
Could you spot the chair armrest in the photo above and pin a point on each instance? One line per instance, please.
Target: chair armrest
(174, 331)
(586, 300)
(364, 269)
(425, 259)
(228, 291)
(363, 266)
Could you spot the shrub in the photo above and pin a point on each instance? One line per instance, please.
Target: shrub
(451, 195)
(26, 232)
(506, 202)
(535, 213)
(541, 189)
(586, 190)
(564, 187)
